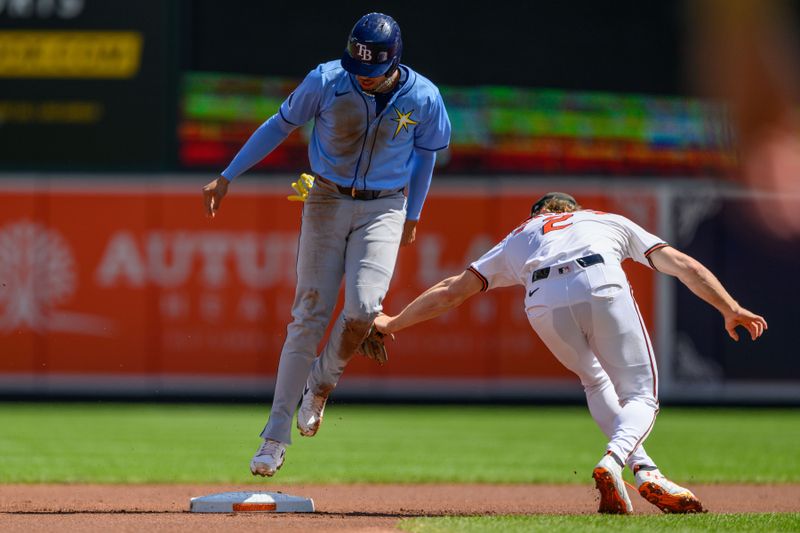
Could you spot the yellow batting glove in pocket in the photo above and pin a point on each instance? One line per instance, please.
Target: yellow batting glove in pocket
(301, 187)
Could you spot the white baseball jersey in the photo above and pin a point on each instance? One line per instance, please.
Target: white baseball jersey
(584, 311)
(555, 238)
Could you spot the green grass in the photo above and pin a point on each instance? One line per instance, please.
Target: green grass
(138, 443)
(618, 524)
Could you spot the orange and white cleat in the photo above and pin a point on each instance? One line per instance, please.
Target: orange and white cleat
(613, 494)
(666, 495)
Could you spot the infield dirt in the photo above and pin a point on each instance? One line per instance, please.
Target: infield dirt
(151, 508)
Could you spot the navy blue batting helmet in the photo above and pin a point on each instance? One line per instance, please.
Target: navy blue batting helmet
(374, 46)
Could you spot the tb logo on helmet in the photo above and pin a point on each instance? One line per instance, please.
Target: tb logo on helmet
(363, 52)
(374, 46)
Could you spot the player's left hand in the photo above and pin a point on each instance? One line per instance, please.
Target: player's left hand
(301, 187)
(754, 324)
(409, 232)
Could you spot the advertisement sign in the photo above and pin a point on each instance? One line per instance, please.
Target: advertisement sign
(86, 84)
(123, 283)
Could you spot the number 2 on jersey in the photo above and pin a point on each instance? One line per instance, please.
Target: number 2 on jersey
(550, 225)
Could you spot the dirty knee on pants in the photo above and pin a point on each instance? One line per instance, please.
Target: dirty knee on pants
(345, 337)
(355, 330)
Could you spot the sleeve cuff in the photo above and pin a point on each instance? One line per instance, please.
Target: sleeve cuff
(432, 149)
(653, 249)
(480, 277)
(286, 120)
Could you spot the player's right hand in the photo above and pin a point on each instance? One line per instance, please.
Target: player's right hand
(409, 232)
(753, 323)
(213, 194)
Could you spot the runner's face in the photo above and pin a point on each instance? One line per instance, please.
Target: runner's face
(369, 84)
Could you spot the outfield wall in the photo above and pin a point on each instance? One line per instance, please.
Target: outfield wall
(120, 286)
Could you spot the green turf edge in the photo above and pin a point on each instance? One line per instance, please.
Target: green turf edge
(150, 443)
(568, 523)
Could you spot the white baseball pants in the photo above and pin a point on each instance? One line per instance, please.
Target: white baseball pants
(590, 321)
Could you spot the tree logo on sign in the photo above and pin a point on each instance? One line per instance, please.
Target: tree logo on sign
(37, 274)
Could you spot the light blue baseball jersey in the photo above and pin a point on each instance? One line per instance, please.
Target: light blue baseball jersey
(351, 145)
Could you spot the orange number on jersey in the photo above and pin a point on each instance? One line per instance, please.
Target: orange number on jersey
(549, 225)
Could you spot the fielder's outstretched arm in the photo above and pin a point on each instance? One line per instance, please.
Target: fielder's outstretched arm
(706, 286)
(442, 297)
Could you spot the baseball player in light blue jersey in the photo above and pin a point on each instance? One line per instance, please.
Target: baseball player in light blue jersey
(377, 128)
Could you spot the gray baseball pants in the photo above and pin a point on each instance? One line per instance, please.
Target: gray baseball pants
(340, 237)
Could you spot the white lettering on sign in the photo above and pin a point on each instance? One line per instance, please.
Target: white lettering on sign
(251, 308)
(213, 253)
(174, 306)
(65, 9)
(258, 263)
(122, 264)
(170, 259)
(211, 307)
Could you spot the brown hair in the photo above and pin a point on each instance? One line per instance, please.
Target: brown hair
(555, 202)
(558, 205)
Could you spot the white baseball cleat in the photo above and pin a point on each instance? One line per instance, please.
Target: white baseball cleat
(268, 459)
(608, 480)
(666, 495)
(309, 416)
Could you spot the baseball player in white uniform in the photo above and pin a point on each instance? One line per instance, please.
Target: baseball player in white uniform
(578, 300)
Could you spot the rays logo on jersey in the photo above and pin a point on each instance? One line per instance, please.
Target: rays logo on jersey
(403, 120)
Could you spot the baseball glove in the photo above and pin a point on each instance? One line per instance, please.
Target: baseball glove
(373, 347)
(301, 187)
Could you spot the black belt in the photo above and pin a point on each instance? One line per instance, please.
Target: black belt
(359, 194)
(589, 260)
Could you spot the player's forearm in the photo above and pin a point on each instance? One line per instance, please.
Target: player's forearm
(706, 286)
(433, 302)
(420, 182)
(263, 141)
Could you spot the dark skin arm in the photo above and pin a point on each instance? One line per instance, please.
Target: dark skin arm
(409, 232)
(213, 193)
